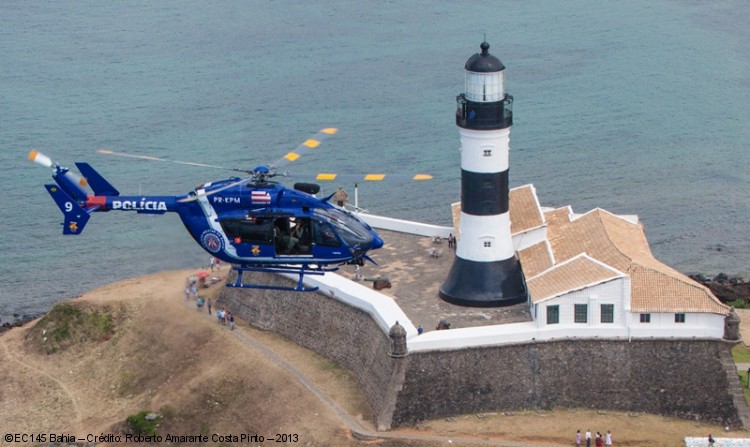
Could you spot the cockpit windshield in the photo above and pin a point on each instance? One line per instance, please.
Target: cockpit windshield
(351, 230)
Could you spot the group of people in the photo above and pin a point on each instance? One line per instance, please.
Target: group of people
(191, 288)
(225, 316)
(191, 291)
(598, 440)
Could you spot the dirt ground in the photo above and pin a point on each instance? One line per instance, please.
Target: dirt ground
(165, 355)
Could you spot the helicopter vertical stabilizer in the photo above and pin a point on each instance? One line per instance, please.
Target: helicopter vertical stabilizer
(75, 215)
(95, 180)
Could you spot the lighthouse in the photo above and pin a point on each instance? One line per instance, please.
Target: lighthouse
(486, 271)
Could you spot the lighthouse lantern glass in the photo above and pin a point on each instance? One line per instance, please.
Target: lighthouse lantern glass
(485, 87)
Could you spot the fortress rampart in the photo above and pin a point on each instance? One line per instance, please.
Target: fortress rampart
(687, 378)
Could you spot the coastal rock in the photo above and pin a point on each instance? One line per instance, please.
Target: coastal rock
(726, 288)
(19, 321)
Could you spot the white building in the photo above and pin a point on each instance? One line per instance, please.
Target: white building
(593, 274)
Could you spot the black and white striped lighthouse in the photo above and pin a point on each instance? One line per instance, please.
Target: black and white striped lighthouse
(486, 271)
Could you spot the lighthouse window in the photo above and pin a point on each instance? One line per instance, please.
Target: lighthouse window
(488, 152)
(487, 244)
(485, 87)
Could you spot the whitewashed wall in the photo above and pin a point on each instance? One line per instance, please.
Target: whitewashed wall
(385, 312)
(616, 292)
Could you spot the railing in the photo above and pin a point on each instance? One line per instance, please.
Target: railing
(481, 115)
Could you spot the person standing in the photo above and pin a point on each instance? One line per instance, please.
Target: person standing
(598, 439)
(209, 306)
(608, 438)
(212, 263)
(588, 438)
(340, 197)
(578, 438)
(451, 241)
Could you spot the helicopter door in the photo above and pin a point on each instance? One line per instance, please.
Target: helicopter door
(293, 236)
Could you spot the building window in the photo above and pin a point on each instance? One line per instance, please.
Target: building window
(679, 318)
(488, 152)
(608, 313)
(645, 318)
(581, 313)
(487, 244)
(553, 314)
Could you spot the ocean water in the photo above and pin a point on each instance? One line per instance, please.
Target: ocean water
(636, 107)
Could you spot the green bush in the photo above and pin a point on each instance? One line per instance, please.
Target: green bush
(739, 303)
(141, 425)
(67, 324)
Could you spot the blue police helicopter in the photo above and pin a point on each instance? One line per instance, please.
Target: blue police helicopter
(253, 223)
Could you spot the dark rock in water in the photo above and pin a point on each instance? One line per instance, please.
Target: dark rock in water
(19, 321)
(726, 288)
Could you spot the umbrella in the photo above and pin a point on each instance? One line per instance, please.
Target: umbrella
(202, 274)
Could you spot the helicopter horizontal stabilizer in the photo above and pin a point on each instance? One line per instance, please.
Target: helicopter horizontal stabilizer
(75, 216)
(95, 180)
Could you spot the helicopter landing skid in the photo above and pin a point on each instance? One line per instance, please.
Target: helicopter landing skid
(305, 269)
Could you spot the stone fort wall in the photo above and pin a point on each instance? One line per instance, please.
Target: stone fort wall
(683, 378)
(325, 325)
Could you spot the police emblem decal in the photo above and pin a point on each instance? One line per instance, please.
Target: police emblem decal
(212, 240)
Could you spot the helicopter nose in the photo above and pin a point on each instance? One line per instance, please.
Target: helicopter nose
(377, 242)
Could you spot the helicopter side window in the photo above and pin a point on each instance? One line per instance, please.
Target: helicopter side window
(259, 231)
(350, 230)
(292, 236)
(323, 234)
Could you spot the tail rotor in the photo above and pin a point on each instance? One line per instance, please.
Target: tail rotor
(43, 160)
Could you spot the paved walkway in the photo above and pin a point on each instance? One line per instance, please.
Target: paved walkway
(358, 431)
(416, 278)
(720, 442)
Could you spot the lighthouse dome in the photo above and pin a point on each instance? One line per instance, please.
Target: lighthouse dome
(484, 62)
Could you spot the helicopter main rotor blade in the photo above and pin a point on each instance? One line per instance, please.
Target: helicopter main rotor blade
(150, 158)
(305, 147)
(372, 177)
